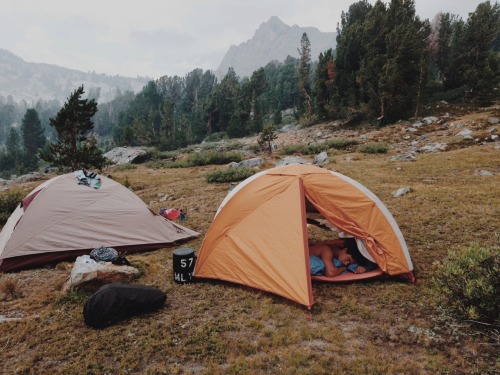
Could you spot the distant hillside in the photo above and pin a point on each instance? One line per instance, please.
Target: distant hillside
(33, 81)
(273, 40)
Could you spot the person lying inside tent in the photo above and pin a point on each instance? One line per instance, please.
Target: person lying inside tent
(332, 258)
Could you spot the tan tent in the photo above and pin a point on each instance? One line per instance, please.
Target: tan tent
(60, 220)
(259, 235)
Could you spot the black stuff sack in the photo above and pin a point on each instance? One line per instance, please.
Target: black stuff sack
(104, 254)
(115, 302)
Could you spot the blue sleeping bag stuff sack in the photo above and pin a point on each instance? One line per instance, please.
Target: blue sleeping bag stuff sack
(115, 302)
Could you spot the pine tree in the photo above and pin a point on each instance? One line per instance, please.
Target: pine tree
(481, 60)
(305, 103)
(33, 138)
(324, 84)
(74, 149)
(13, 150)
(350, 51)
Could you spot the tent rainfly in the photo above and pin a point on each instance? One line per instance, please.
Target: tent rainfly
(60, 220)
(259, 238)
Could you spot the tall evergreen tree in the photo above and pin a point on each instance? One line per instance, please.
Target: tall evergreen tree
(74, 148)
(449, 54)
(390, 74)
(305, 103)
(258, 83)
(481, 60)
(33, 138)
(324, 84)
(351, 49)
(13, 150)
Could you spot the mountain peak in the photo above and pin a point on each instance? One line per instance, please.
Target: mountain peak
(273, 40)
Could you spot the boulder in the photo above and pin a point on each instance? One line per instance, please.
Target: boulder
(127, 155)
(321, 158)
(433, 147)
(89, 275)
(249, 163)
(291, 160)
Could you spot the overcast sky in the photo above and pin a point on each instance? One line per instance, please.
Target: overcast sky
(161, 37)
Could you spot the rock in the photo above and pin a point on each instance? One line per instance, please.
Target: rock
(249, 163)
(484, 172)
(350, 158)
(321, 158)
(89, 275)
(288, 127)
(401, 191)
(291, 160)
(493, 120)
(465, 132)
(127, 155)
(433, 147)
(429, 120)
(5, 319)
(410, 157)
(30, 177)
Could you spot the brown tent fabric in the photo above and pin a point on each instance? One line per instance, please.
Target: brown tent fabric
(259, 235)
(64, 220)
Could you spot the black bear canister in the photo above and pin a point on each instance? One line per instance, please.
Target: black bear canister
(184, 260)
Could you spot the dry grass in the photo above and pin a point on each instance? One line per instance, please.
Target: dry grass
(212, 327)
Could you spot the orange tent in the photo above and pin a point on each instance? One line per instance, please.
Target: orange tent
(259, 235)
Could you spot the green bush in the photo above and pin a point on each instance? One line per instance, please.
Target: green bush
(211, 157)
(341, 143)
(305, 149)
(313, 149)
(468, 283)
(9, 200)
(216, 137)
(230, 175)
(374, 148)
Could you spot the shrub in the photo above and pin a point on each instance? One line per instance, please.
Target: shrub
(199, 159)
(266, 138)
(341, 143)
(293, 149)
(374, 148)
(305, 149)
(210, 157)
(312, 149)
(230, 175)
(10, 289)
(468, 282)
(216, 137)
(8, 203)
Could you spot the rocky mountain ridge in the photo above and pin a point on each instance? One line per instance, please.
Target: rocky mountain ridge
(273, 40)
(30, 82)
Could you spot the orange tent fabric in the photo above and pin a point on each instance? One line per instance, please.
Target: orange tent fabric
(259, 235)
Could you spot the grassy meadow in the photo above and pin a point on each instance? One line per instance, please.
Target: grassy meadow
(214, 327)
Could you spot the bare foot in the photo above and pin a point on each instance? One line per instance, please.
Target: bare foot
(360, 269)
